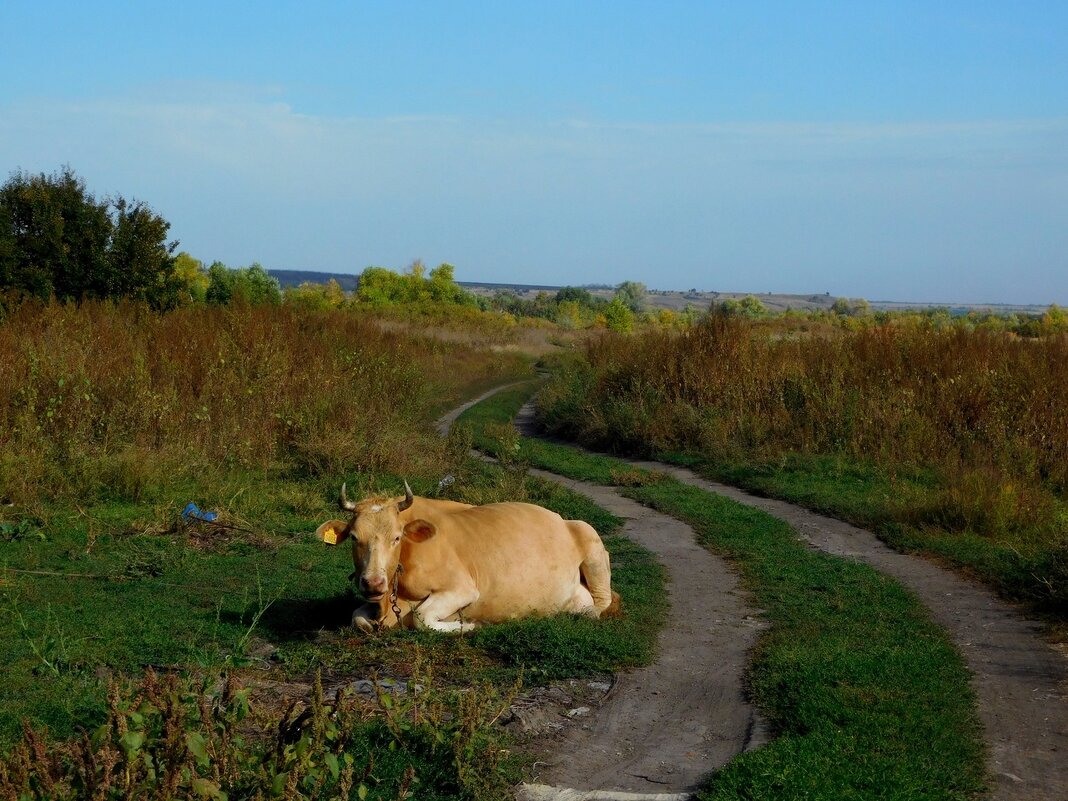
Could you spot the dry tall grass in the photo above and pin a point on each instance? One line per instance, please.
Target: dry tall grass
(988, 411)
(101, 399)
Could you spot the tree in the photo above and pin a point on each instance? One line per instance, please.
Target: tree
(192, 276)
(841, 307)
(618, 316)
(632, 295)
(749, 307)
(378, 286)
(140, 260)
(58, 240)
(576, 294)
(316, 296)
(252, 285)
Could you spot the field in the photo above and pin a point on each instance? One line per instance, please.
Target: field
(161, 656)
(948, 441)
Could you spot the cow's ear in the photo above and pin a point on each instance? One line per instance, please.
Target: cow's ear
(333, 532)
(419, 531)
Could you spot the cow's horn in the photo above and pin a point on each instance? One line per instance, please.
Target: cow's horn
(408, 498)
(344, 502)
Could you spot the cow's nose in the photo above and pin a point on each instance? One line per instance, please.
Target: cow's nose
(375, 584)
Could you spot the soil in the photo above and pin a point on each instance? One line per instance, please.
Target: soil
(1020, 680)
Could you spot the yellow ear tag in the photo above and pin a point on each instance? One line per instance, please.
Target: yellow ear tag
(330, 537)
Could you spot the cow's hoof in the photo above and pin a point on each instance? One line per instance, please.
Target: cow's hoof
(364, 624)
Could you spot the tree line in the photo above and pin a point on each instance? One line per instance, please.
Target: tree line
(58, 240)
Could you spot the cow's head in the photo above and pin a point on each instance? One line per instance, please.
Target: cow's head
(376, 530)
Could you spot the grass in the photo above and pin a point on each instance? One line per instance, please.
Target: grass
(135, 593)
(191, 596)
(867, 696)
(1024, 566)
(947, 441)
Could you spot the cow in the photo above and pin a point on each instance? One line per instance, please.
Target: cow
(450, 566)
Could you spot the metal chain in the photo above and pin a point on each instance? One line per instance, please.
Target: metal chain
(393, 592)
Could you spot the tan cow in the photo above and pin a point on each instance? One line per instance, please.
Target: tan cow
(448, 565)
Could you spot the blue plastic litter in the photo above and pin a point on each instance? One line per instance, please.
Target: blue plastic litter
(192, 512)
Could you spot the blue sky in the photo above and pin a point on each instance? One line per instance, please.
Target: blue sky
(894, 151)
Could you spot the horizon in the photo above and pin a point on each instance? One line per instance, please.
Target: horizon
(605, 286)
(901, 151)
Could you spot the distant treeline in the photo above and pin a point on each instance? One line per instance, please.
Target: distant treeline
(59, 241)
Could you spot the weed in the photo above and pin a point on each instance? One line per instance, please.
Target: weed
(49, 644)
(109, 402)
(172, 738)
(24, 529)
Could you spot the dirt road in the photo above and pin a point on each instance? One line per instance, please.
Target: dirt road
(1020, 681)
(695, 686)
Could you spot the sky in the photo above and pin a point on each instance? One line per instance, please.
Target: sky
(911, 151)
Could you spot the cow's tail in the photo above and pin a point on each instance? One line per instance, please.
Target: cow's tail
(596, 570)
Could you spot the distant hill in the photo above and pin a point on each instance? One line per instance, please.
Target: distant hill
(671, 299)
(288, 278)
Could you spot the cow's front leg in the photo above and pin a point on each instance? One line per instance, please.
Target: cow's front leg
(376, 615)
(368, 617)
(440, 605)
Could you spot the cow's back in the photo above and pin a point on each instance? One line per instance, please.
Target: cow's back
(524, 559)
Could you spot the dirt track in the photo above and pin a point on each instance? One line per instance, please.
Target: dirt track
(696, 684)
(1019, 680)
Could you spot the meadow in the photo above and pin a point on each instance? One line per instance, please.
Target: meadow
(947, 439)
(155, 656)
(150, 655)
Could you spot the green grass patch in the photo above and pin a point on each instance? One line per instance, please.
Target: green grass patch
(909, 509)
(867, 696)
(121, 589)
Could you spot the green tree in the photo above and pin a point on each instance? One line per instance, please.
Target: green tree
(444, 289)
(618, 316)
(1055, 319)
(378, 286)
(192, 276)
(57, 239)
(841, 307)
(583, 297)
(252, 285)
(316, 296)
(140, 260)
(749, 307)
(632, 294)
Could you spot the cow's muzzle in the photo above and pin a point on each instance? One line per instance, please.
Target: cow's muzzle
(373, 587)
